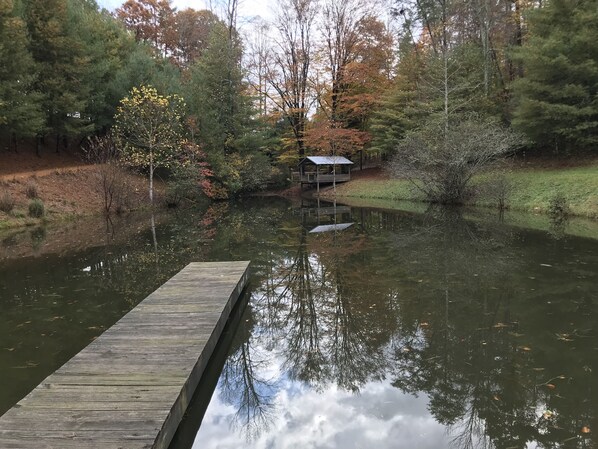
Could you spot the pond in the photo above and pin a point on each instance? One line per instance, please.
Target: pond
(384, 329)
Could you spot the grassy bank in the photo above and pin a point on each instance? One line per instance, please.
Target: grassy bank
(532, 189)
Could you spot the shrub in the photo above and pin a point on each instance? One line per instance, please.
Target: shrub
(7, 202)
(31, 190)
(37, 208)
(558, 207)
(440, 161)
(184, 184)
(496, 190)
(109, 177)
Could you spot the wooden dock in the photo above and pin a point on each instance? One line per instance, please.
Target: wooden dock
(130, 388)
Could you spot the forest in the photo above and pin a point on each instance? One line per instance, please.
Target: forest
(232, 106)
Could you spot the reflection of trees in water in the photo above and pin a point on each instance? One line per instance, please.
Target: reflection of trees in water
(324, 315)
(242, 387)
(316, 315)
(433, 303)
(465, 352)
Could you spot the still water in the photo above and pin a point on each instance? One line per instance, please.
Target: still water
(396, 330)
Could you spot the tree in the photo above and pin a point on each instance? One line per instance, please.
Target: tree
(341, 34)
(289, 67)
(404, 106)
(108, 175)
(557, 100)
(223, 112)
(20, 115)
(149, 130)
(440, 161)
(62, 61)
(359, 57)
(107, 47)
(192, 30)
(151, 21)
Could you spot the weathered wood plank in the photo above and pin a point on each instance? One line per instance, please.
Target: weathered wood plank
(130, 387)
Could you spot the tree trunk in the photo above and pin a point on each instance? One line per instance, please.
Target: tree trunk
(152, 183)
(14, 142)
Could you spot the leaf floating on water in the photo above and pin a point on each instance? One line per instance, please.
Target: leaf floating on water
(551, 386)
(424, 324)
(515, 334)
(500, 325)
(564, 337)
(545, 265)
(547, 414)
(538, 369)
(496, 398)
(525, 348)
(585, 429)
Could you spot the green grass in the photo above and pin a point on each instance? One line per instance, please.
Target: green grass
(386, 189)
(532, 189)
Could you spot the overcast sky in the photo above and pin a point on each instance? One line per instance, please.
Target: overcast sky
(247, 9)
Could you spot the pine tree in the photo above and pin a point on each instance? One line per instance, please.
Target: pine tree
(20, 114)
(222, 110)
(62, 63)
(557, 100)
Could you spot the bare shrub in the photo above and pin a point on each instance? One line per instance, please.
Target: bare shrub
(440, 161)
(31, 190)
(496, 191)
(7, 202)
(109, 176)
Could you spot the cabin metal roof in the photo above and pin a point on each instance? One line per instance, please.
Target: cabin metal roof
(327, 160)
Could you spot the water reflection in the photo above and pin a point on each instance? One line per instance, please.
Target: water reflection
(402, 330)
(414, 331)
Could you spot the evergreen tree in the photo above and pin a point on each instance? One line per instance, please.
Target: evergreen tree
(557, 100)
(222, 110)
(105, 45)
(20, 113)
(62, 64)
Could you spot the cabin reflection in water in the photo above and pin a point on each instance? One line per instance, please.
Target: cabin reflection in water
(325, 216)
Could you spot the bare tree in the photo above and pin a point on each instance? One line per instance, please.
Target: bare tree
(108, 178)
(259, 53)
(289, 67)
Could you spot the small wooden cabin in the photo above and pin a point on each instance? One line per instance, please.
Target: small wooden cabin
(324, 169)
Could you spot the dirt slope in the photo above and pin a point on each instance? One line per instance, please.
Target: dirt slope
(65, 184)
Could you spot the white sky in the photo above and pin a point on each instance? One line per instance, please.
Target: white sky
(248, 9)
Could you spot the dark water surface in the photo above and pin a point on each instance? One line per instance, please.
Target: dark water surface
(400, 331)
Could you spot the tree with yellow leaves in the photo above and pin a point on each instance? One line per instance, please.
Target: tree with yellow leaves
(149, 130)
